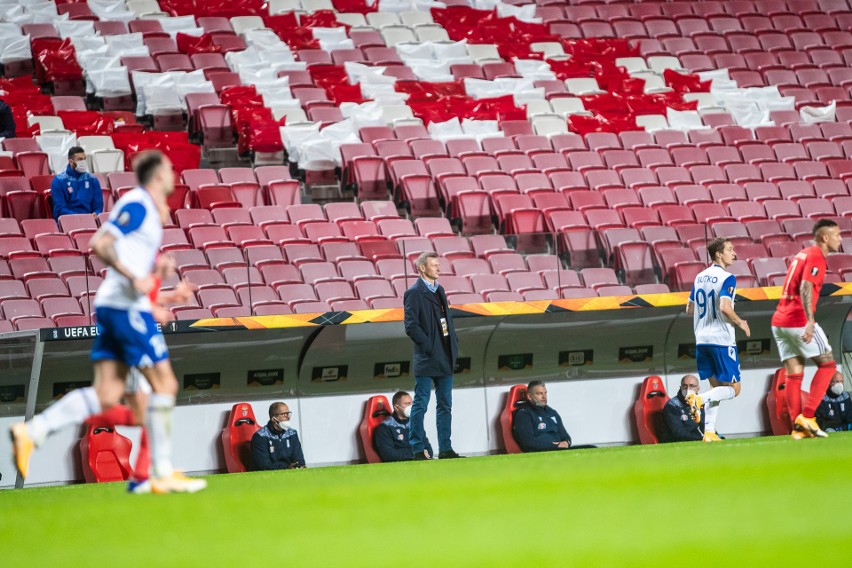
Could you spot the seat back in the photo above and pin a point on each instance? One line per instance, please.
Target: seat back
(648, 409)
(776, 404)
(236, 437)
(375, 413)
(517, 393)
(105, 454)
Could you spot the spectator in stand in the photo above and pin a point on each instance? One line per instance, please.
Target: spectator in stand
(7, 119)
(536, 426)
(276, 445)
(76, 190)
(834, 413)
(681, 425)
(391, 436)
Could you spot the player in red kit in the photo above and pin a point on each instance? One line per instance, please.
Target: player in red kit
(797, 333)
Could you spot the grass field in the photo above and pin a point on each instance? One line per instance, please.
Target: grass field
(728, 504)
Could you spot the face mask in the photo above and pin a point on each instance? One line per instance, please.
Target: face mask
(837, 389)
(407, 411)
(284, 424)
(82, 166)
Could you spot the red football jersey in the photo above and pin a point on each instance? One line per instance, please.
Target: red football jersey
(807, 265)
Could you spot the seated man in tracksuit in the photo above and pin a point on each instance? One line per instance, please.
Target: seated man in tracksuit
(276, 445)
(537, 427)
(680, 424)
(834, 412)
(75, 190)
(390, 438)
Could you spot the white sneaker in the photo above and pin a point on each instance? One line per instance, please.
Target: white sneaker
(177, 483)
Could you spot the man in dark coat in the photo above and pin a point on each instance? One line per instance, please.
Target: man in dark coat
(429, 324)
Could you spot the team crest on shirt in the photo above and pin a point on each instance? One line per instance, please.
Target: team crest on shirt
(542, 425)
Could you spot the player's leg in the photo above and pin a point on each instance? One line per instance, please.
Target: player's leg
(77, 405)
(725, 363)
(819, 351)
(712, 400)
(794, 368)
(138, 391)
(158, 423)
(73, 408)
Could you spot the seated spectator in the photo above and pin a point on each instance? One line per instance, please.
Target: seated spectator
(76, 190)
(276, 445)
(390, 438)
(834, 413)
(7, 119)
(537, 427)
(680, 424)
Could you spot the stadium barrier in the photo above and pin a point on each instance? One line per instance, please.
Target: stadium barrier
(593, 353)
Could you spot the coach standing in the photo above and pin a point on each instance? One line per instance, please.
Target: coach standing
(430, 326)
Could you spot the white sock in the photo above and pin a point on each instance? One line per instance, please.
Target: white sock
(73, 408)
(718, 394)
(711, 411)
(158, 420)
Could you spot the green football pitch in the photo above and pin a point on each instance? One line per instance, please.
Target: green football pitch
(756, 502)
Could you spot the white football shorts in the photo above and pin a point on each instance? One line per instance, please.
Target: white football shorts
(790, 342)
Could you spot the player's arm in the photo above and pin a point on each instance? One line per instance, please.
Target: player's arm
(690, 302)
(806, 292)
(726, 306)
(180, 294)
(103, 243)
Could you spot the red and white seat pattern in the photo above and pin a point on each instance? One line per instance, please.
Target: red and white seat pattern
(626, 132)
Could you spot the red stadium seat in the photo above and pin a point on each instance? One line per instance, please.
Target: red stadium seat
(776, 404)
(517, 394)
(236, 437)
(648, 409)
(106, 455)
(377, 409)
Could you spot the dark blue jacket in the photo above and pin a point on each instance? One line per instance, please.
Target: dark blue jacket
(272, 449)
(390, 438)
(7, 121)
(75, 192)
(434, 355)
(680, 427)
(538, 428)
(834, 413)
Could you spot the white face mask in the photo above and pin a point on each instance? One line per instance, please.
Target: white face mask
(82, 166)
(407, 411)
(837, 389)
(284, 424)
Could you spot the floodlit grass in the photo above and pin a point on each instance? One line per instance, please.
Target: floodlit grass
(757, 502)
